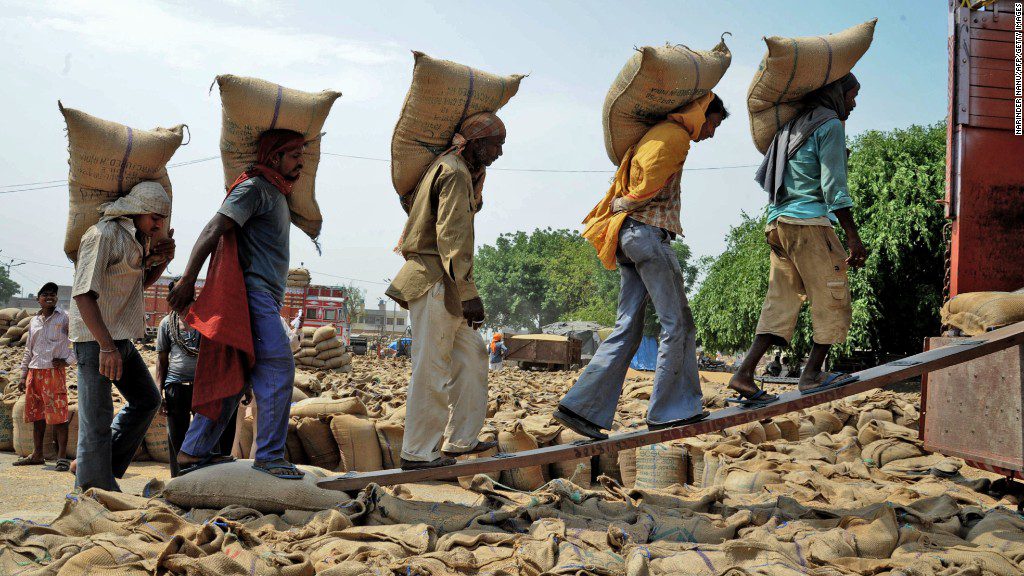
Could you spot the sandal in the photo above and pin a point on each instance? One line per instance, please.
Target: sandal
(63, 465)
(759, 399)
(482, 446)
(206, 462)
(834, 380)
(436, 463)
(28, 461)
(653, 427)
(279, 468)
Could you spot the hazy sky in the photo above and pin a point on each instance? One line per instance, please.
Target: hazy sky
(147, 64)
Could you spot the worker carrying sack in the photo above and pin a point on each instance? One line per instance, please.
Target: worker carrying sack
(794, 67)
(105, 160)
(442, 95)
(653, 83)
(251, 107)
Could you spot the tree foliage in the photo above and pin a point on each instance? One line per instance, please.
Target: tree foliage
(8, 287)
(529, 280)
(897, 180)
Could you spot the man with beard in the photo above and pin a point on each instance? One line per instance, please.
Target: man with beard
(447, 395)
(249, 240)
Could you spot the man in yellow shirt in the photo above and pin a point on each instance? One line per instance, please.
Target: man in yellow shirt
(634, 227)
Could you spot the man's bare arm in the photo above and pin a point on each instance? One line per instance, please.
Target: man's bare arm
(110, 357)
(184, 291)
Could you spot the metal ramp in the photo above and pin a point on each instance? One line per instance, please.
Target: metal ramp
(891, 373)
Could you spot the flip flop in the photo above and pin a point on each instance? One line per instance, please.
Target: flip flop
(759, 399)
(28, 461)
(481, 446)
(653, 427)
(206, 462)
(291, 472)
(63, 465)
(834, 380)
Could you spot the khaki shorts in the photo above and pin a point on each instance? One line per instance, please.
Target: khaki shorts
(808, 262)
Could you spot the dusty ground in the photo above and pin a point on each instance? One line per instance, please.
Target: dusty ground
(36, 493)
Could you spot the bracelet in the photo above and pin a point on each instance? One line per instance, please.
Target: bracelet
(108, 351)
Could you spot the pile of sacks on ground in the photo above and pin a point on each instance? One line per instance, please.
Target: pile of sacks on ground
(322, 348)
(14, 326)
(297, 278)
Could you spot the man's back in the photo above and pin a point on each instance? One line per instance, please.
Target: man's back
(261, 212)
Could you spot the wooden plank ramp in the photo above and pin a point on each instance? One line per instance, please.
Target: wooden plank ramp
(870, 378)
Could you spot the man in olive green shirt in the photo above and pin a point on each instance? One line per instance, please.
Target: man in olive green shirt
(447, 395)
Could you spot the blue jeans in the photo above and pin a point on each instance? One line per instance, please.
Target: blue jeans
(107, 443)
(649, 270)
(272, 380)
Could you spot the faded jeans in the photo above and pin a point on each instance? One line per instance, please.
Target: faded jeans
(272, 378)
(649, 270)
(107, 443)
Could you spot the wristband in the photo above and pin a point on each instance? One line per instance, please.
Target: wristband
(108, 351)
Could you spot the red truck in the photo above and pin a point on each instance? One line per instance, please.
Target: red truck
(318, 305)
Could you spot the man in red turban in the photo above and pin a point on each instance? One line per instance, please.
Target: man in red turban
(244, 338)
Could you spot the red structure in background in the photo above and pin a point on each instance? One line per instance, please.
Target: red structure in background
(319, 306)
(985, 159)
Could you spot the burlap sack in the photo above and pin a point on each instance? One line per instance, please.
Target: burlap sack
(5, 341)
(24, 322)
(357, 442)
(23, 443)
(106, 160)
(788, 427)
(515, 439)
(442, 94)
(749, 482)
(252, 106)
(298, 277)
(9, 315)
(24, 339)
(318, 443)
(579, 471)
(389, 437)
(328, 344)
(346, 369)
(156, 439)
(324, 333)
(978, 312)
(318, 407)
(298, 395)
(880, 414)
(627, 467)
(310, 362)
(819, 421)
(654, 82)
(875, 430)
(752, 432)
(308, 332)
(332, 353)
(792, 68)
(14, 333)
(7, 424)
(338, 362)
(293, 444)
(881, 452)
(771, 431)
(660, 466)
(306, 352)
(238, 484)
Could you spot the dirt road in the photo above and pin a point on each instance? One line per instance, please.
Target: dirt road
(37, 493)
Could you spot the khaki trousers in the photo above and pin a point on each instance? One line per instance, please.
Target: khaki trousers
(807, 262)
(448, 391)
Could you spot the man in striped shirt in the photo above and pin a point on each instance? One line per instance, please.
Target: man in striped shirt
(44, 377)
(107, 313)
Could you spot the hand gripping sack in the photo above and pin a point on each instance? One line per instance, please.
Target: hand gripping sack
(792, 68)
(442, 94)
(654, 82)
(252, 106)
(105, 160)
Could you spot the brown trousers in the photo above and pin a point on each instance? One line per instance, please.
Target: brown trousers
(808, 262)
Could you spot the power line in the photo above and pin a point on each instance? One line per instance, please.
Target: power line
(48, 184)
(348, 278)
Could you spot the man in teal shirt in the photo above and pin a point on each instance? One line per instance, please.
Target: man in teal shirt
(804, 173)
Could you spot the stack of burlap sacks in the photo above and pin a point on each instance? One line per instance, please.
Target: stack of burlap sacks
(297, 278)
(14, 326)
(322, 349)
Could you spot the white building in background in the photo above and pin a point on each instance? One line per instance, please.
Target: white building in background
(394, 322)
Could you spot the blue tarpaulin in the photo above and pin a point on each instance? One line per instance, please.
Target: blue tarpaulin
(646, 356)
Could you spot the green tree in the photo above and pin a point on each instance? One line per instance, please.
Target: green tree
(356, 301)
(529, 280)
(8, 287)
(897, 181)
